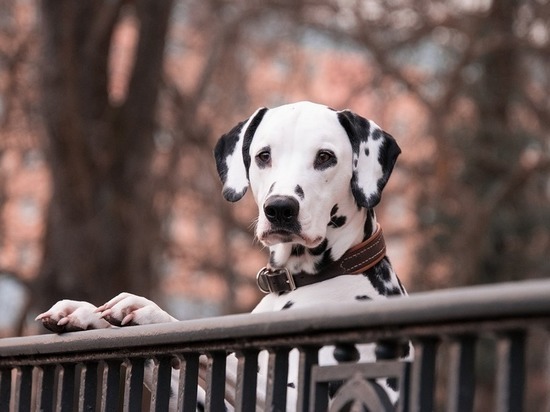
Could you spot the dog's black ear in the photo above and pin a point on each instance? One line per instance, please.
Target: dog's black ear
(374, 155)
(233, 157)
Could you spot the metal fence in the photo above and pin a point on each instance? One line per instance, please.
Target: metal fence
(479, 348)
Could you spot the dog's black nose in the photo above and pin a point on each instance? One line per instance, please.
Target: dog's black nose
(281, 210)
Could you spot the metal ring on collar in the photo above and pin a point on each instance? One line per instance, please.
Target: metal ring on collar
(265, 274)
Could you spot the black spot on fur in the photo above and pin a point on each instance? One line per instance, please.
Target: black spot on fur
(325, 260)
(298, 250)
(380, 278)
(367, 151)
(394, 291)
(363, 297)
(337, 221)
(225, 147)
(299, 191)
(249, 134)
(376, 276)
(392, 350)
(359, 130)
(291, 385)
(393, 383)
(387, 350)
(232, 195)
(288, 305)
(316, 251)
(387, 156)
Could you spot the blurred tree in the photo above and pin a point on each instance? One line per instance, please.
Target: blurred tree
(488, 214)
(478, 68)
(103, 226)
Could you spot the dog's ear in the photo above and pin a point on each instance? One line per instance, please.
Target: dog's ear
(374, 155)
(233, 157)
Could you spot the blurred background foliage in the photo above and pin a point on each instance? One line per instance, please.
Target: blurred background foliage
(109, 111)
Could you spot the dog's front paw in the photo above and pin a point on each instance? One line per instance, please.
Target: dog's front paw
(71, 316)
(127, 309)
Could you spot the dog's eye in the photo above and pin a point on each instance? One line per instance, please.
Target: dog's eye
(324, 159)
(263, 157)
(323, 156)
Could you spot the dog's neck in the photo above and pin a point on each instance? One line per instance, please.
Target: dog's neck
(344, 231)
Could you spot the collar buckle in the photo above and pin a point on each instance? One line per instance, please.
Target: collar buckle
(275, 280)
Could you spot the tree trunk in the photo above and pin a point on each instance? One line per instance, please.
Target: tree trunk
(102, 228)
(495, 152)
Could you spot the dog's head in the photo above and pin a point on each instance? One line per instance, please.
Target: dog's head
(301, 160)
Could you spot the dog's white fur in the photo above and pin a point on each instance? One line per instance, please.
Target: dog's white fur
(304, 152)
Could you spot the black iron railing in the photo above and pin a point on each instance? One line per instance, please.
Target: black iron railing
(480, 348)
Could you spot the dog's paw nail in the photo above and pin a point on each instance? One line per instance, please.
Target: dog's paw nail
(101, 308)
(127, 319)
(105, 313)
(112, 321)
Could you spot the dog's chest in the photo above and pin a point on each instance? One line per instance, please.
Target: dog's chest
(343, 289)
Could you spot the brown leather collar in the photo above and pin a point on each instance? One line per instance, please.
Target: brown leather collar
(356, 260)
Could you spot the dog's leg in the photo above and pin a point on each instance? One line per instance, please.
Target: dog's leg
(71, 316)
(127, 309)
(124, 309)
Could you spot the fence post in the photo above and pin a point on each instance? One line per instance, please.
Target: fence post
(461, 388)
(188, 381)
(309, 356)
(110, 385)
(422, 383)
(133, 384)
(247, 380)
(277, 379)
(46, 388)
(5, 389)
(65, 386)
(215, 381)
(23, 389)
(510, 372)
(87, 388)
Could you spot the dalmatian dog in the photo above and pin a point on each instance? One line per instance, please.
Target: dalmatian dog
(316, 175)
